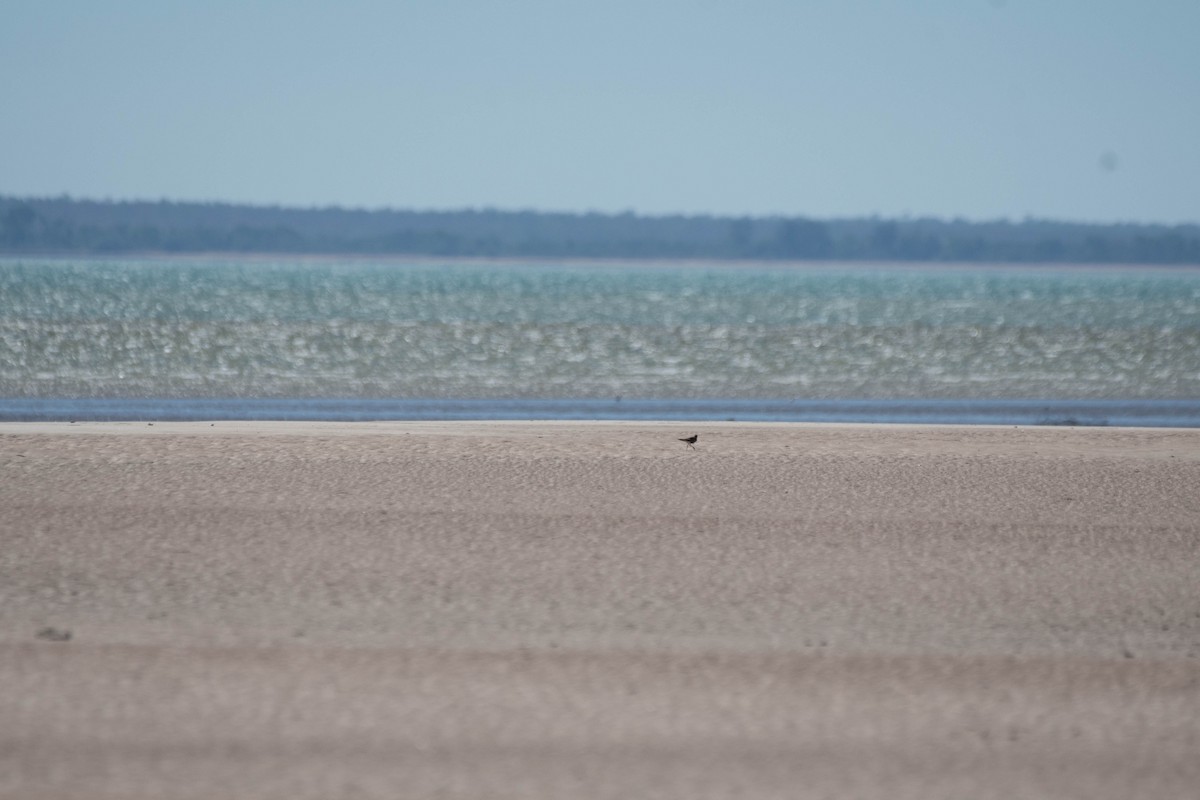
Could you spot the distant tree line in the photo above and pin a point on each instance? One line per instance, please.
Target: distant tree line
(67, 225)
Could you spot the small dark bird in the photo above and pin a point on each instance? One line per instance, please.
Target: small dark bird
(691, 440)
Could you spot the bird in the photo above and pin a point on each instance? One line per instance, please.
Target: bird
(691, 440)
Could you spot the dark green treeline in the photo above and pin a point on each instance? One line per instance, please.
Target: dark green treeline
(67, 225)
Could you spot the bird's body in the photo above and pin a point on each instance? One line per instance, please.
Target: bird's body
(691, 440)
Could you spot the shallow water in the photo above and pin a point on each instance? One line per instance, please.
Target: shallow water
(250, 330)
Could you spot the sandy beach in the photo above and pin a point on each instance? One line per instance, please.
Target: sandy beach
(594, 610)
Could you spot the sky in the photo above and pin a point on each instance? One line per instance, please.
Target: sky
(1073, 110)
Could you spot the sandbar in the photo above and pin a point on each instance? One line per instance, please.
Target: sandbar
(596, 610)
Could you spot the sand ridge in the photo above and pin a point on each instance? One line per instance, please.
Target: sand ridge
(594, 610)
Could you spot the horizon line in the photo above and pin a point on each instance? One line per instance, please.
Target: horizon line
(629, 212)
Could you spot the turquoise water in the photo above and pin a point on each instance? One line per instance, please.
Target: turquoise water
(257, 330)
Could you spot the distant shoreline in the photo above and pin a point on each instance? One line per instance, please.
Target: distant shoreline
(65, 225)
(420, 259)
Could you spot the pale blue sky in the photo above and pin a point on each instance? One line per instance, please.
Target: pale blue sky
(1083, 110)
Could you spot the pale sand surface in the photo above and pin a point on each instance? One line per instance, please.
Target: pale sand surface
(591, 610)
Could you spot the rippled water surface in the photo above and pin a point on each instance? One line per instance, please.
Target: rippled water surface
(233, 328)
